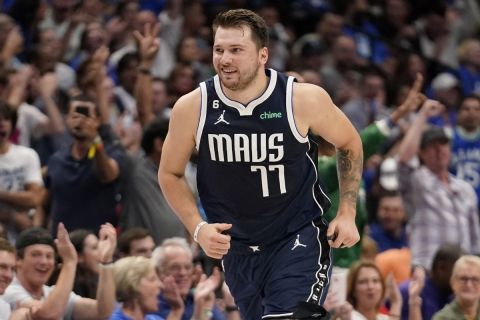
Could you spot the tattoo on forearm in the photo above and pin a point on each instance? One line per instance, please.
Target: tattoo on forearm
(349, 169)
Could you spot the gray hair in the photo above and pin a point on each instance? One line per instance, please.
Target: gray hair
(470, 260)
(158, 255)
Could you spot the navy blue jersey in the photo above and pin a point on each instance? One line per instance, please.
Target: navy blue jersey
(255, 169)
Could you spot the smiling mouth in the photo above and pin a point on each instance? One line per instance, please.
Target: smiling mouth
(228, 71)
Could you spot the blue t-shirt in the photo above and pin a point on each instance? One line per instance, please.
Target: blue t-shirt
(385, 240)
(119, 315)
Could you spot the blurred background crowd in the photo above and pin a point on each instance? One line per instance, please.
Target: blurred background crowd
(86, 90)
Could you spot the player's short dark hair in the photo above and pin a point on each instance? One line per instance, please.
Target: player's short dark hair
(9, 113)
(242, 17)
(157, 129)
(129, 235)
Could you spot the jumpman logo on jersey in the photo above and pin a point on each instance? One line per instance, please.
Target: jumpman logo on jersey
(255, 248)
(297, 243)
(222, 118)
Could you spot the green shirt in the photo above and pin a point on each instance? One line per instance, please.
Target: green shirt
(372, 138)
(452, 311)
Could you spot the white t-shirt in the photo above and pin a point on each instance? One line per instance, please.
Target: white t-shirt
(16, 293)
(18, 167)
(4, 309)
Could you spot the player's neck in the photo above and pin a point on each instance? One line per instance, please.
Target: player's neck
(254, 90)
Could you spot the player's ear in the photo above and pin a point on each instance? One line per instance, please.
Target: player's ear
(264, 55)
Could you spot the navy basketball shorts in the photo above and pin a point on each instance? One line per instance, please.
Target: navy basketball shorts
(271, 282)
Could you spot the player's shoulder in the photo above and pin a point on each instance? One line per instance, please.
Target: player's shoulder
(188, 99)
(308, 90)
(188, 104)
(306, 95)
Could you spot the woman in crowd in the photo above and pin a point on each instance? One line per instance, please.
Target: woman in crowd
(137, 288)
(86, 277)
(366, 290)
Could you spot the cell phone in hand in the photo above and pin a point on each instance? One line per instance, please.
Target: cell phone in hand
(85, 110)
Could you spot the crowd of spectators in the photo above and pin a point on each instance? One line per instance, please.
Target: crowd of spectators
(86, 90)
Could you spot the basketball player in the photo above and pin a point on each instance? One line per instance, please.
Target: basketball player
(257, 177)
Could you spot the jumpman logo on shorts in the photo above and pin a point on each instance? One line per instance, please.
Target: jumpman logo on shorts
(297, 243)
(222, 118)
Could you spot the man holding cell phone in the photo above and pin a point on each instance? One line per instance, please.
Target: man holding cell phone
(83, 177)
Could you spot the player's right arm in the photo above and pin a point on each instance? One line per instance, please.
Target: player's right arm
(176, 151)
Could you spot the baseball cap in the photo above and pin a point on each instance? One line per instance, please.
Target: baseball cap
(388, 174)
(444, 81)
(433, 134)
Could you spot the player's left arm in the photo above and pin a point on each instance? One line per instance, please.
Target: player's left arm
(315, 112)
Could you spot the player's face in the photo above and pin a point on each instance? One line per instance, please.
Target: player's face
(236, 58)
(368, 288)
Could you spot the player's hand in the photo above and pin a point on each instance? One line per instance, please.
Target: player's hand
(342, 231)
(213, 242)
